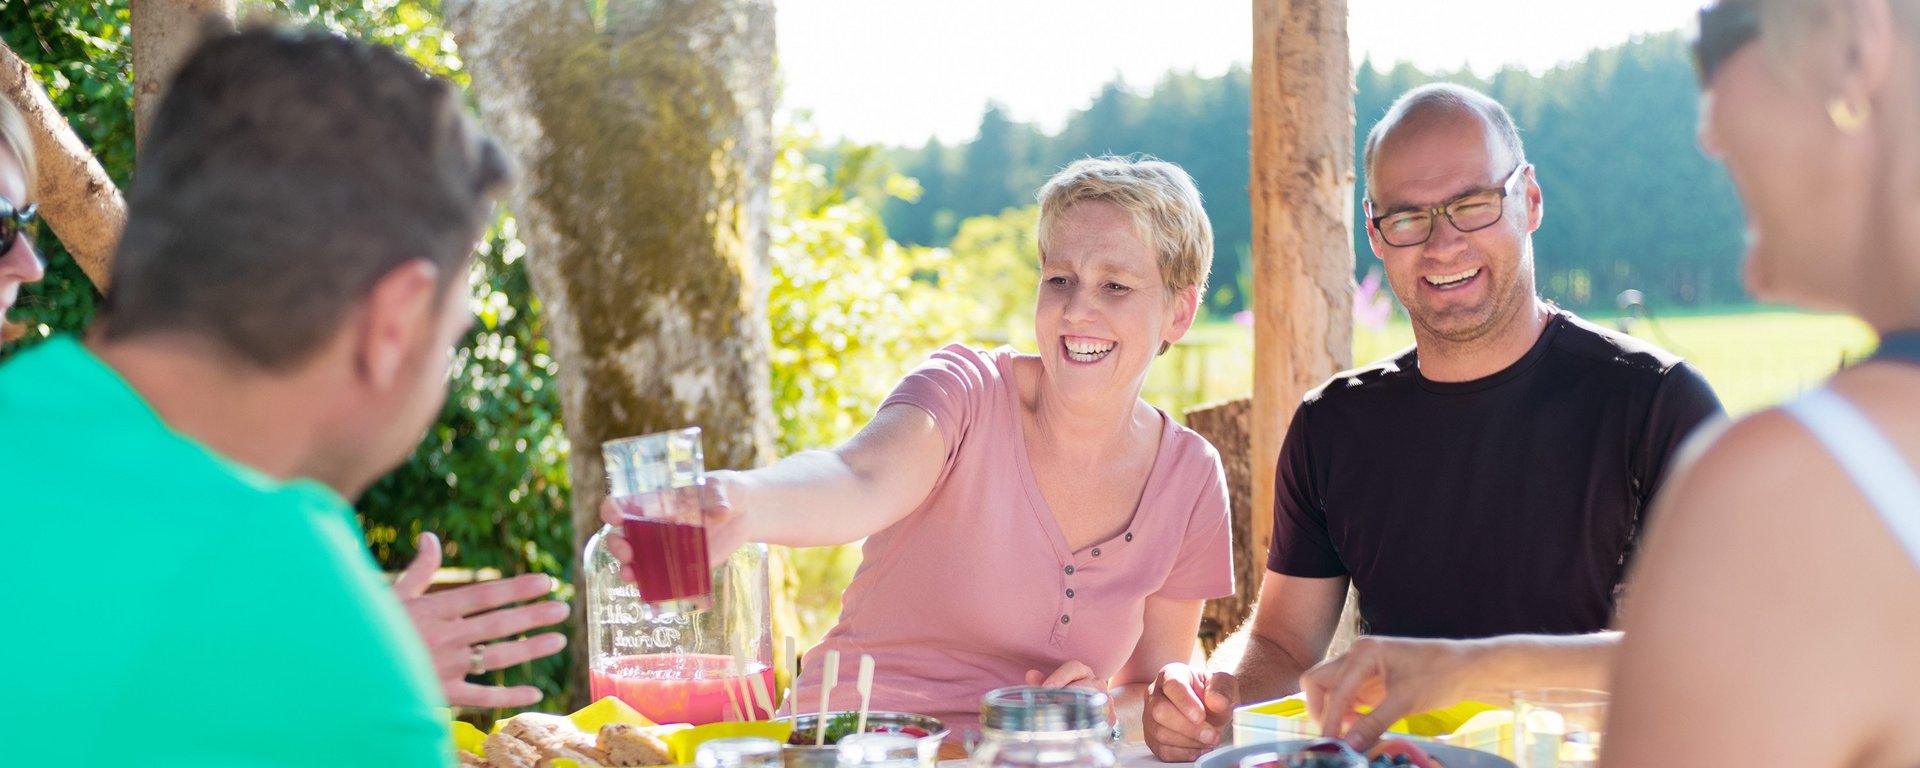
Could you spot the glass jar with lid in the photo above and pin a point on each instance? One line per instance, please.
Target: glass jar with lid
(738, 752)
(881, 750)
(1033, 727)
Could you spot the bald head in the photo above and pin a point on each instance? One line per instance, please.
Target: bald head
(1440, 104)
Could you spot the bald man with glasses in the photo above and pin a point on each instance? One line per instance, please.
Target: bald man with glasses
(1490, 481)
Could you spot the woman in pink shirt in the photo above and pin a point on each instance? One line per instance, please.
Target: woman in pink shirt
(1028, 518)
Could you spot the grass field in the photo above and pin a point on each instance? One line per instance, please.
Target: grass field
(1754, 356)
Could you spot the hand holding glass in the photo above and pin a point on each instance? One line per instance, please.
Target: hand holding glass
(655, 482)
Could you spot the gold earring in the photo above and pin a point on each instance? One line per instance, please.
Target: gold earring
(1845, 117)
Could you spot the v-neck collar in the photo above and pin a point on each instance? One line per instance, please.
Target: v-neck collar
(1037, 502)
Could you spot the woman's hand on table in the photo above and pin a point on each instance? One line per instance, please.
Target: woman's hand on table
(1072, 673)
(458, 625)
(1395, 676)
(1187, 711)
(725, 524)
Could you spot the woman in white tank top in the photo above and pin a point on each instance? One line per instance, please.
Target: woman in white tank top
(1775, 614)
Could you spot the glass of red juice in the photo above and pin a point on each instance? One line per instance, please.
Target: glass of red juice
(656, 483)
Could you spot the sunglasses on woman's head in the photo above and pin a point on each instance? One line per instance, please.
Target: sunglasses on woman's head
(1725, 27)
(14, 221)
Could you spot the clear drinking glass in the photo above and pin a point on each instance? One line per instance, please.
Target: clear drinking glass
(656, 483)
(1558, 727)
(737, 752)
(882, 750)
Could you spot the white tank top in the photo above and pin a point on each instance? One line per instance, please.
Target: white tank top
(1870, 460)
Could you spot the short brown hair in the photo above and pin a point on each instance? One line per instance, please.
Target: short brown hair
(1160, 198)
(286, 172)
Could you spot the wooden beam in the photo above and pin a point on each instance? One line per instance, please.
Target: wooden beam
(1302, 191)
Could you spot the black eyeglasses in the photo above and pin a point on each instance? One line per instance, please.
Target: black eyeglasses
(1725, 28)
(1470, 212)
(13, 222)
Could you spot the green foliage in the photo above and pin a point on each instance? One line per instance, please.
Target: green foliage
(848, 314)
(996, 261)
(411, 27)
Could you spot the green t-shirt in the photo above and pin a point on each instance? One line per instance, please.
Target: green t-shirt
(165, 606)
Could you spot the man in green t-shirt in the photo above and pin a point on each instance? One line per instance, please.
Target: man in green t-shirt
(290, 280)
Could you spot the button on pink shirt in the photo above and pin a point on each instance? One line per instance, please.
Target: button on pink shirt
(976, 586)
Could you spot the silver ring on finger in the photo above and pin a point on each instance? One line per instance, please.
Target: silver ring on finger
(476, 660)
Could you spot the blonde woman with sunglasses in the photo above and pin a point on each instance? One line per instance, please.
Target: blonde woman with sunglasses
(19, 261)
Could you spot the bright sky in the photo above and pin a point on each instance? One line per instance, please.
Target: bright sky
(898, 71)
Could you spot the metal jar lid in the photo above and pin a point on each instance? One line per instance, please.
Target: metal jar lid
(1032, 709)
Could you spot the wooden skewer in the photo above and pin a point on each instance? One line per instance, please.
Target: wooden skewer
(787, 657)
(865, 686)
(733, 702)
(760, 695)
(828, 676)
(746, 694)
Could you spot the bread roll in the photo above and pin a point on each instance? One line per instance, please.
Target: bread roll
(505, 751)
(631, 745)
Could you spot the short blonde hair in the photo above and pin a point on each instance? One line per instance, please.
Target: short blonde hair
(15, 138)
(1160, 198)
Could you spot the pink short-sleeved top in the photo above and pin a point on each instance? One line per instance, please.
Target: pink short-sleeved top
(976, 586)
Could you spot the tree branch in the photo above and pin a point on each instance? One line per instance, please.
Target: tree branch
(78, 200)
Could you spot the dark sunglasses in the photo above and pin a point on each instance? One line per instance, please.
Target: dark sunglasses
(1725, 27)
(14, 221)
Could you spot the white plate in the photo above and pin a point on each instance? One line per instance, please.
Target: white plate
(1454, 757)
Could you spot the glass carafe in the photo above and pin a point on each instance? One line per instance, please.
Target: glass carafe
(695, 658)
(1031, 727)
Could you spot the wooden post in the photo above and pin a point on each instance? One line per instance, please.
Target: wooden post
(1302, 186)
(1225, 426)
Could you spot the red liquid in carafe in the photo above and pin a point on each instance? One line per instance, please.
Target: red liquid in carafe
(692, 688)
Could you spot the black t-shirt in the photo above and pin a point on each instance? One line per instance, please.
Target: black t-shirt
(1505, 504)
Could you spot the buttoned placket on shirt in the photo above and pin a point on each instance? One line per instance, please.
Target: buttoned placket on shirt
(1074, 565)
